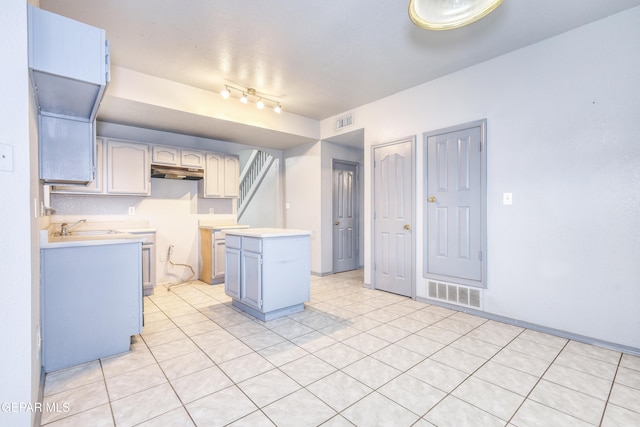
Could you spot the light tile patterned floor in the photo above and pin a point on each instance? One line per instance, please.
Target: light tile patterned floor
(355, 356)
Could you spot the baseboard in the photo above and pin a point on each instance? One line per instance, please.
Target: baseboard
(329, 273)
(315, 273)
(538, 328)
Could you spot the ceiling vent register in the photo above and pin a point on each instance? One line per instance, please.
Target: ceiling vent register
(455, 294)
(344, 121)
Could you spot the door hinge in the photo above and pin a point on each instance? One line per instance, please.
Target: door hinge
(480, 255)
(260, 260)
(260, 303)
(107, 61)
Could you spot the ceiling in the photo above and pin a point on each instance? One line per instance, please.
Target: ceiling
(318, 58)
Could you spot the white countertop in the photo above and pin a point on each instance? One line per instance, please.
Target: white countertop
(52, 242)
(223, 226)
(268, 232)
(127, 233)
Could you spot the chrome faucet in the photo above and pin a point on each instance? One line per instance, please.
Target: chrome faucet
(64, 227)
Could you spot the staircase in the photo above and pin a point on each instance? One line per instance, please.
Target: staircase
(252, 175)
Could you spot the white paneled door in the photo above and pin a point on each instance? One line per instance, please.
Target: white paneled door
(454, 204)
(393, 215)
(345, 217)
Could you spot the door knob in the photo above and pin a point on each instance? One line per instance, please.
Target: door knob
(432, 199)
(407, 227)
(337, 222)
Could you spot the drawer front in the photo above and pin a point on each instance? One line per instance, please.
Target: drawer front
(251, 244)
(233, 241)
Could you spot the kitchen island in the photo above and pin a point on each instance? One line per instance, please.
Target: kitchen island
(268, 271)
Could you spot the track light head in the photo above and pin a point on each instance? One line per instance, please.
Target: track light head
(253, 94)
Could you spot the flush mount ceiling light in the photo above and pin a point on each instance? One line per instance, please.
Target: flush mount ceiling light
(449, 14)
(250, 94)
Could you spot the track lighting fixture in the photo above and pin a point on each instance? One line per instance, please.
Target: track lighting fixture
(250, 94)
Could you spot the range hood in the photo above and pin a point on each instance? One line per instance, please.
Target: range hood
(176, 172)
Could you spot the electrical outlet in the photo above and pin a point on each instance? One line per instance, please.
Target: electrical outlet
(507, 198)
(211, 211)
(132, 210)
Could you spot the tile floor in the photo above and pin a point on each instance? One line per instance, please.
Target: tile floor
(355, 356)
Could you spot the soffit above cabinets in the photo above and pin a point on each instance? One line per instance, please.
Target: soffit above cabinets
(69, 64)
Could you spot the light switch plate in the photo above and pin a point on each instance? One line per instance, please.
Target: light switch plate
(6, 158)
(132, 210)
(507, 198)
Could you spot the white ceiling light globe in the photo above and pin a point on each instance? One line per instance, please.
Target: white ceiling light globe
(449, 14)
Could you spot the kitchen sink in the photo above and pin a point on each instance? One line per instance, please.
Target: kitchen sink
(87, 233)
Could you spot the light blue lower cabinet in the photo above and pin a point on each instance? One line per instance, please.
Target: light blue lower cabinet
(91, 302)
(268, 275)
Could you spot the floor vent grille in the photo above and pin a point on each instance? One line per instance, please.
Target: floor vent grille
(455, 294)
(344, 121)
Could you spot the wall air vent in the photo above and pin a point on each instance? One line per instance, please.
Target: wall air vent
(344, 121)
(455, 294)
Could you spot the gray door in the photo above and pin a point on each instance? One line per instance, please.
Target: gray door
(393, 213)
(454, 205)
(345, 217)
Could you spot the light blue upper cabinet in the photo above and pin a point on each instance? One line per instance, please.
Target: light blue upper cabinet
(69, 63)
(69, 66)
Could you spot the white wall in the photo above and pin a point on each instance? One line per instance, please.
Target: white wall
(302, 194)
(562, 137)
(19, 251)
(265, 208)
(139, 91)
